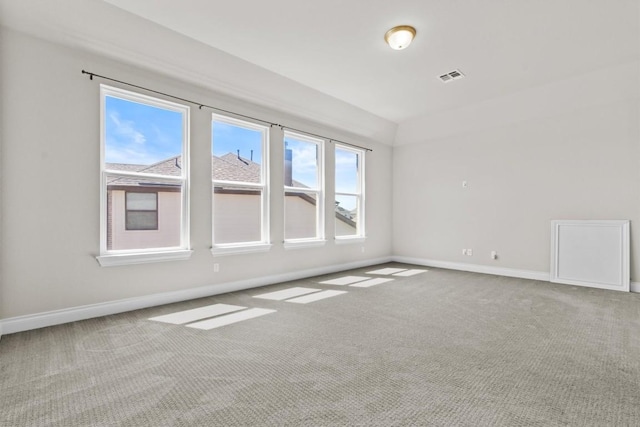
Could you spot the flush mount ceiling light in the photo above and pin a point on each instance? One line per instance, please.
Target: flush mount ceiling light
(400, 37)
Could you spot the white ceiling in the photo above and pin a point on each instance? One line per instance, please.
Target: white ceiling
(324, 51)
(337, 46)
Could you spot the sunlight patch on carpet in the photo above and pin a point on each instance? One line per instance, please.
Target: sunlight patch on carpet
(316, 297)
(386, 271)
(286, 293)
(230, 319)
(372, 282)
(186, 316)
(346, 280)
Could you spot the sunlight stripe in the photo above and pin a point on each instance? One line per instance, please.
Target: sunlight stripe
(386, 271)
(346, 280)
(286, 293)
(410, 272)
(229, 319)
(372, 282)
(192, 315)
(316, 297)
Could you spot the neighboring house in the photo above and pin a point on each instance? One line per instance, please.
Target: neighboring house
(143, 213)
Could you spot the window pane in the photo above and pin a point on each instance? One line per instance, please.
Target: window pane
(300, 216)
(142, 201)
(142, 138)
(237, 153)
(346, 215)
(238, 215)
(346, 171)
(143, 229)
(142, 220)
(301, 163)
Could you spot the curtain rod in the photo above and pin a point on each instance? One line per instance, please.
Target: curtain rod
(201, 105)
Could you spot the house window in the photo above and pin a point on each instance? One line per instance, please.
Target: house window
(303, 188)
(239, 181)
(349, 203)
(142, 211)
(145, 176)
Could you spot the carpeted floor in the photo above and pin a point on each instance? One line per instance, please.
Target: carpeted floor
(442, 348)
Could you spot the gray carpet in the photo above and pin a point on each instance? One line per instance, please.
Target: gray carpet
(443, 348)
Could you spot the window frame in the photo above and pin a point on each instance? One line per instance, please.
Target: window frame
(319, 193)
(359, 194)
(264, 244)
(111, 257)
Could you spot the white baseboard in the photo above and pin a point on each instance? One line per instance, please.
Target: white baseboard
(50, 318)
(498, 271)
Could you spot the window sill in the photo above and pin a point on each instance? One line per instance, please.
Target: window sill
(112, 260)
(220, 250)
(300, 244)
(347, 240)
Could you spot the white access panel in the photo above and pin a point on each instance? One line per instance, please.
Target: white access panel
(590, 253)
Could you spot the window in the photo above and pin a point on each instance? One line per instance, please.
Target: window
(145, 176)
(303, 189)
(239, 180)
(142, 211)
(349, 204)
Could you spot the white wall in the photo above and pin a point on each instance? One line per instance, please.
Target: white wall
(50, 198)
(570, 150)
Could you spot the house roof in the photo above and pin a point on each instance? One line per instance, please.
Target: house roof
(232, 167)
(229, 167)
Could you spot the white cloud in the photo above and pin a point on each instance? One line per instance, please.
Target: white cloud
(345, 158)
(304, 158)
(126, 130)
(115, 154)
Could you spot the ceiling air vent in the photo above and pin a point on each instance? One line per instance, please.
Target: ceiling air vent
(452, 75)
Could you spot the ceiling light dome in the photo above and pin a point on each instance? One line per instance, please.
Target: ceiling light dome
(400, 37)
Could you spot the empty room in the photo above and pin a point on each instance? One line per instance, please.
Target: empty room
(324, 213)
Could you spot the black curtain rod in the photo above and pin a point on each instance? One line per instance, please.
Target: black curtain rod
(200, 106)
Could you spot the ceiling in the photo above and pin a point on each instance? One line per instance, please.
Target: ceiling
(336, 47)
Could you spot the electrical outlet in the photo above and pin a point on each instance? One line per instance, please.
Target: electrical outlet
(216, 267)
(469, 252)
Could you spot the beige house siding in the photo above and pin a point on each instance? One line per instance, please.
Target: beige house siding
(238, 219)
(167, 234)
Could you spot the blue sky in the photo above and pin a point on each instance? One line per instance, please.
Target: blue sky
(140, 134)
(304, 167)
(228, 139)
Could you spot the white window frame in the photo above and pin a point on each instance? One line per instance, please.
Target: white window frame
(359, 194)
(112, 257)
(319, 193)
(264, 244)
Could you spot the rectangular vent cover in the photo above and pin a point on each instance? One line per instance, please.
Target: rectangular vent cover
(452, 75)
